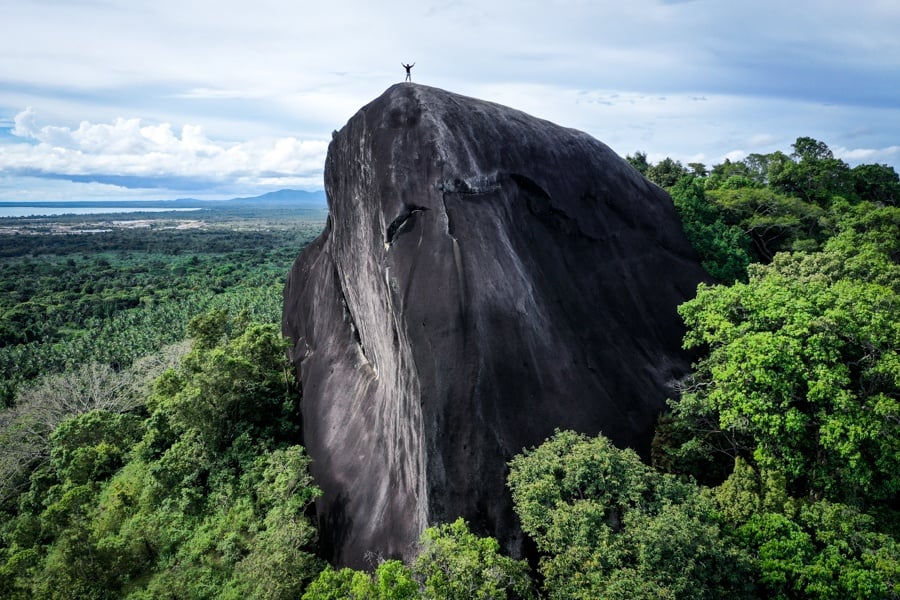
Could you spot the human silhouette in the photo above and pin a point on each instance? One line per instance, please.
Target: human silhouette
(408, 68)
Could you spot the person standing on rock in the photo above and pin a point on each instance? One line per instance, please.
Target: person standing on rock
(408, 69)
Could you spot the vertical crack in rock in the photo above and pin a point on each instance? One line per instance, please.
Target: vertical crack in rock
(398, 224)
(539, 291)
(457, 261)
(351, 321)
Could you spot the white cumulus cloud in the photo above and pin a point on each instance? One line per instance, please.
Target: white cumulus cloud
(128, 147)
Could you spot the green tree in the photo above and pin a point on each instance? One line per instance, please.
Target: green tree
(639, 162)
(723, 249)
(773, 221)
(26, 429)
(452, 564)
(802, 374)
(455, 564)
(814, 176)
(726, 170)
(758, 166)
(209, 328)
(92, 446)
(803, 549)
(609, 526)
(392, 580)
(222, 492)
(666, 172)
(208, 497)
(697, 169)
(877, 183)
(343, 584)
(243, 385)
(811, 150)
(278, 563)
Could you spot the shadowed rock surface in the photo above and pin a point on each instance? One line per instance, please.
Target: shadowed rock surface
(484, 278)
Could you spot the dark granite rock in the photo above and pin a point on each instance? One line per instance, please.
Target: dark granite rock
(484, 278)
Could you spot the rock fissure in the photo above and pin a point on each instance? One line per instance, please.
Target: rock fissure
(351, 322)
(472, 185)
(401, 221)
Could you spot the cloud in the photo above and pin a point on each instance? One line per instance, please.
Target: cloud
(24, 124)
(262, 86)
(221, 94)
(131, 153)
(761, 140)
(868, 155)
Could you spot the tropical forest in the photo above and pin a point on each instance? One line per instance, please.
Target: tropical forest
(151, 437)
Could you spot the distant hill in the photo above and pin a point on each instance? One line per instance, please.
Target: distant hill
(279, 198)
(271, 199)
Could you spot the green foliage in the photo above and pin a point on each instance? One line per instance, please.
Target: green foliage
(731, 171)
(697, 169)
(205, 498)
(27, 430)
(723, 248)
(609, 526)
(799, 386)
(866, 244)
(781, 202)
(835, 555)
(746, 493)
(807, 549)
(123, 293)
(53, 529)
(453, 564)
(222, 392)
(814, 175)
(208, 329)
(773, 221)
(92, 446)
(212, 500)
(802, 372)
(279, 563)
(639, 162)
(392, 580)
(666, 172)
(877, 183)
(221, 473)
(344, 584)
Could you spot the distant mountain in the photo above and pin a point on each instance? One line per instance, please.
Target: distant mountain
(283, 197)
(271, 199)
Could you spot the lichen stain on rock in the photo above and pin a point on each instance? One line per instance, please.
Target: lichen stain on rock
(484, 278)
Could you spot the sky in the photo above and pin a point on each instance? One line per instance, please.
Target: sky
(160, 99)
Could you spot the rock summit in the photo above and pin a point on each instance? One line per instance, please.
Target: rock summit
(484, 278)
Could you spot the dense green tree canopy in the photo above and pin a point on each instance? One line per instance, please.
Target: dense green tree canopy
(206, 497)
(803, 370)
(666, 172)
(639, 162)
(609, 526)
(453, 564)
(723, 248)
(137, 464)
(773, 221)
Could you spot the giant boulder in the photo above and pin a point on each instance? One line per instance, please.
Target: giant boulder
(484, 278)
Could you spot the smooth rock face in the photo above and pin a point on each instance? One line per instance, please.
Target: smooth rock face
(484, 278)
